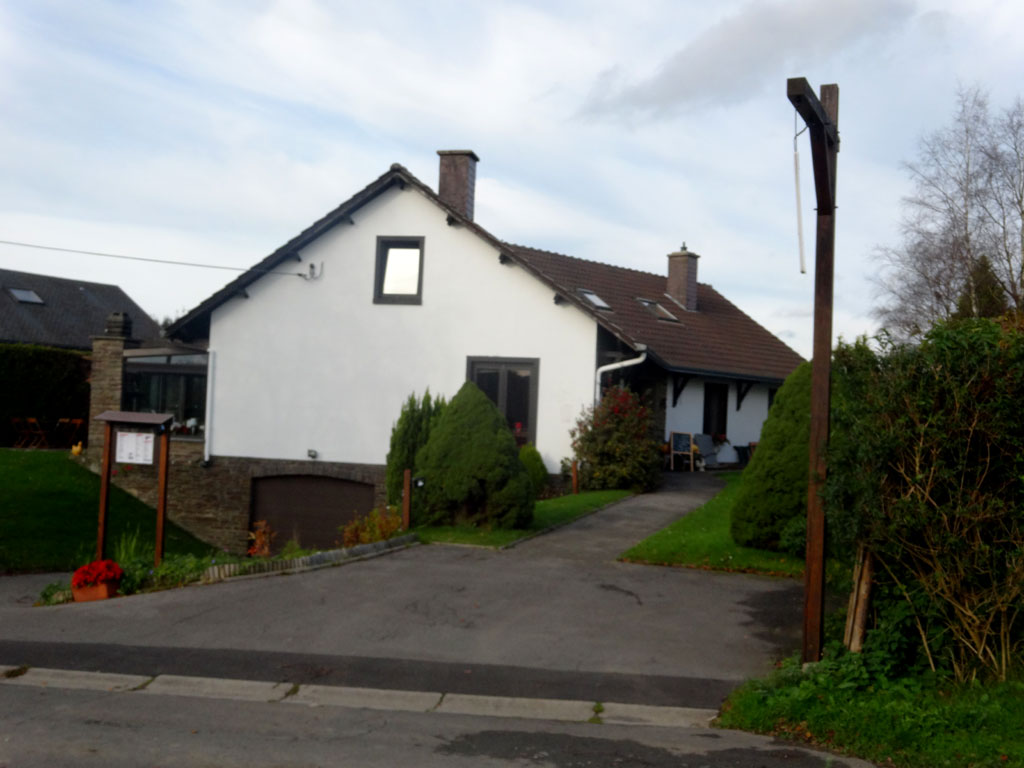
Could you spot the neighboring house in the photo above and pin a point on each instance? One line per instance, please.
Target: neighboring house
(45, 403)
(60, 312)
(314, 350)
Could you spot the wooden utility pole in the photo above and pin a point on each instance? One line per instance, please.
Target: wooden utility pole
(822, 119)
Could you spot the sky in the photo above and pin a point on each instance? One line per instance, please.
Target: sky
(213, 132)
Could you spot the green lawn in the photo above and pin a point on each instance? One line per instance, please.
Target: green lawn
(547, 513)
(701, 540)
(49, 510)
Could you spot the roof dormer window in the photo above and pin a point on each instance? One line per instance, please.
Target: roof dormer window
(25, 295)
(658, 311)
(595, 301)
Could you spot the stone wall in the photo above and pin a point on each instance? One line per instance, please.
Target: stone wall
(212, 501)
(105, 382)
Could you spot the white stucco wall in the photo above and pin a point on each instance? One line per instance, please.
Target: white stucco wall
(742, 426)
(317, 365)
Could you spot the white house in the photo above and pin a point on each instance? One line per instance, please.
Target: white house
(313, 351)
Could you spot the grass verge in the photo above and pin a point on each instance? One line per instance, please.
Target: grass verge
(48, 514)
(911, 722)
(701, 539)
(546, 513)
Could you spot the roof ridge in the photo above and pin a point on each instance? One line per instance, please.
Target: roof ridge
(587, 261)
(57, 277)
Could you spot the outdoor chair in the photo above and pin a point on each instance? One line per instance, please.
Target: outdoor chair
(680, 444)
(36, 434)
(708, 449)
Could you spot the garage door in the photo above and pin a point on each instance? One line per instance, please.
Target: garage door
(308, 508)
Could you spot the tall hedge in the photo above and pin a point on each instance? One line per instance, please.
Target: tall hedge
(774, 490)
(471, 468)
(41, 382)
(409, 434)
(928, 465)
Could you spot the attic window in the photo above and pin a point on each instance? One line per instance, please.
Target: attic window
(399, 274)
(25, 296)
(658, 311)
(594, 299)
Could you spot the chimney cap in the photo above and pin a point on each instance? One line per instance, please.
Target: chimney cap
(469, 152)
(684, 251)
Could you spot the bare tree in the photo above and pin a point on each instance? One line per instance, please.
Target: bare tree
(965, 218)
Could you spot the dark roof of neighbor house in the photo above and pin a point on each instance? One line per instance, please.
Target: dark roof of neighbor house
(718, 338)
(61, 312)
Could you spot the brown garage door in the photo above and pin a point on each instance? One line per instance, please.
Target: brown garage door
(308, 508)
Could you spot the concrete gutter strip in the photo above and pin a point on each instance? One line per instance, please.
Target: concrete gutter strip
(69, 678)
(643, 714)
(505, 706)
(565, 710)
(364, 698)
(217, 688)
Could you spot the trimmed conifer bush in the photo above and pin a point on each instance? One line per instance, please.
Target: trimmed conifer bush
(774, 489)
(534, 464)
(471, 468)
(408, 436)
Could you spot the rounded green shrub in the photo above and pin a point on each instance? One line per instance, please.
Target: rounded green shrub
(534, 464)
(471, 468)
(774, 489)
(614, 445)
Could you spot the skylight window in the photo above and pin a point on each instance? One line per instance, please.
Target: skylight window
(658, 311)
(25, 295)
(594, 299)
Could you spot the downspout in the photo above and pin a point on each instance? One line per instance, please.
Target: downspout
(208, 427)
(642, 348)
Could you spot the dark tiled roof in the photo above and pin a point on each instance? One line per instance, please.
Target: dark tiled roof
(717, 338)
(71, 312)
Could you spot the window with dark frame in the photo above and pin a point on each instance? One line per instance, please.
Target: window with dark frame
(716, 402)
(511, 384)
(398, 278)
(174, 384)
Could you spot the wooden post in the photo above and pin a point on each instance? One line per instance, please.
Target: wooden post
(108, 449)
(822, 119)
(575, 478)
(406, 498)
(161, 503)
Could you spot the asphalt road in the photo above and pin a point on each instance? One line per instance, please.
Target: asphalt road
(556, 617)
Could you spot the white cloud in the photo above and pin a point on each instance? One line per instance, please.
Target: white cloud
(740, 56)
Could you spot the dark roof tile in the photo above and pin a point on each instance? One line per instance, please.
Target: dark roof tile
(70, 313)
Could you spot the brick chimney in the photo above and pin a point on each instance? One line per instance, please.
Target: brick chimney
(682, 277)
(456, 184)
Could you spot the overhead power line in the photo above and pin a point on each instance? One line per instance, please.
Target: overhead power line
(149, 259)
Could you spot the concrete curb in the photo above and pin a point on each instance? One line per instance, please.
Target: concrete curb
(561, 710)
(330, 558)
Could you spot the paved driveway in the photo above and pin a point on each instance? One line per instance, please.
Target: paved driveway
(558, 610)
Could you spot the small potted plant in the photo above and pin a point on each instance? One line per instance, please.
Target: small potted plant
(96, 581)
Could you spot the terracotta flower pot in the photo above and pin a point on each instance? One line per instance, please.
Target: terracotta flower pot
(94, 592)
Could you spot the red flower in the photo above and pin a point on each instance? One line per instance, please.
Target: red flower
(97, 572)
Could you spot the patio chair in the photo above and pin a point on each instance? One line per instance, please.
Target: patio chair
(680, 444)
(36, 433)
(708, 449)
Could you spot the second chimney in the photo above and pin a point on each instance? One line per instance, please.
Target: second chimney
(456, 184)
(682, 277)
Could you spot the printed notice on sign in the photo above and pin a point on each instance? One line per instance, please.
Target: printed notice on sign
(134, 448)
